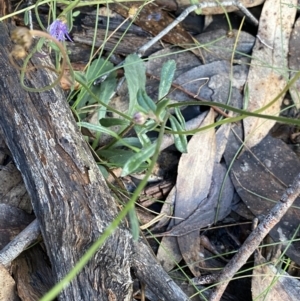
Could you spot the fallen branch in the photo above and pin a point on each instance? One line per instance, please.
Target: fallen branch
(186, 12)
(70, 198)
(255, 238)
(20, 243)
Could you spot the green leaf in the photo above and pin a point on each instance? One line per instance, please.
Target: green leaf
(246, 97)
(138, 159)
(133, 141)
(40, 44)
(107, 122)
(102, 129)
(198, 11)
(166, 78)
(141, 132)
(103, 91)
(147, 127)
(80, 76)
(26, 18)
(118, 157)
(76, 13)
(104, 171)
(69, 20)
(134, 224)
(180, 117)
(145, 101)
(107, 89)
(54, 47)
(150, 125)
(161, 108)
(98, 67)
(179, 139)
(144, 139)
(135, 73)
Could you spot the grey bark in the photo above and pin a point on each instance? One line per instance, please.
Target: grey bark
(70, 198)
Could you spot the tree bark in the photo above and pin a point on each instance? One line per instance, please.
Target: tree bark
(70, 198)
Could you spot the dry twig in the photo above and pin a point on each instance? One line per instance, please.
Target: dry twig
(140, 52)
(186, 12)
(20, 243)
(258, 234)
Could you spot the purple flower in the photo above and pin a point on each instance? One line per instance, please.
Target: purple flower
(59, 30)
(139, 118)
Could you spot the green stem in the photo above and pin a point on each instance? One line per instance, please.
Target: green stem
(85, 86)
(81, 4)
(72, 5)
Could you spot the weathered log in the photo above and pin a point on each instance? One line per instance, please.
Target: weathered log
(32, 274)
(69, 195)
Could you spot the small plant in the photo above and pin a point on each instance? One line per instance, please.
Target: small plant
(54, 37)
(144, 115)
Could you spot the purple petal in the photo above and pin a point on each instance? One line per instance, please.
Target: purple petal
(59, 30)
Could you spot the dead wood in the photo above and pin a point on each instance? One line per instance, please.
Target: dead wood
(255, 238)
(32, 274)
(69, 195)
(21, 242)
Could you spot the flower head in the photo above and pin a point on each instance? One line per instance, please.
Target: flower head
(139, 118)
(59, 30)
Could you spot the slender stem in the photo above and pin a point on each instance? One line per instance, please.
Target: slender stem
(43, 34)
